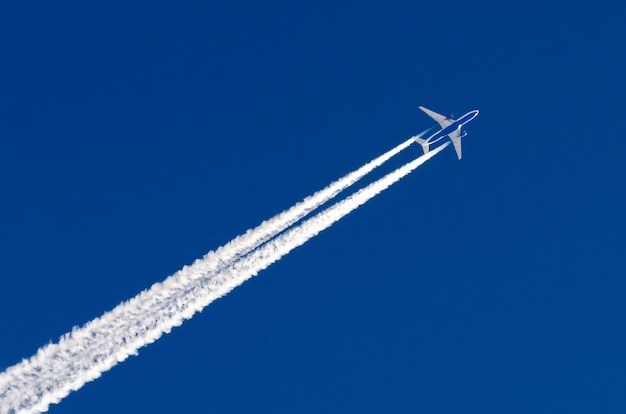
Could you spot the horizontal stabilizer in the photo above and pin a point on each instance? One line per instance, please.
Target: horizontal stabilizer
(424, 143)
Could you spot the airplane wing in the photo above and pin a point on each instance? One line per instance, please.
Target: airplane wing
(455, 136)
(442, 120)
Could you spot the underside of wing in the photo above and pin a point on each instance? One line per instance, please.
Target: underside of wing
(442, 120)
(455, 136)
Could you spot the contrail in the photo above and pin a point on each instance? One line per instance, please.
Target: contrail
(253, 238)
(119, 319)
(83, 354)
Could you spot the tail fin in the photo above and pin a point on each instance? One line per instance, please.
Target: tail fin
(424, 143)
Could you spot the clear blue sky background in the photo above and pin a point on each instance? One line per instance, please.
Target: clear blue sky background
(137, 136)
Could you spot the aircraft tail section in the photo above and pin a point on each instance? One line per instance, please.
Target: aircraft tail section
(424, 143)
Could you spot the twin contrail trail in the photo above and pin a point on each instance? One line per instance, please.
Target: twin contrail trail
(85, 353)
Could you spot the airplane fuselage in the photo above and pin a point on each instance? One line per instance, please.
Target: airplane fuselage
(450, 128)
(443, 133)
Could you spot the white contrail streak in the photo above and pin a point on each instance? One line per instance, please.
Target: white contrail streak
(253, 238)
(86, 352)
(142, 305)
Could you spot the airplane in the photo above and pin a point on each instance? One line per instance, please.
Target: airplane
(449, 127)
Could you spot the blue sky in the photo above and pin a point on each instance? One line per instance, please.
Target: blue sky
(137, 136)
